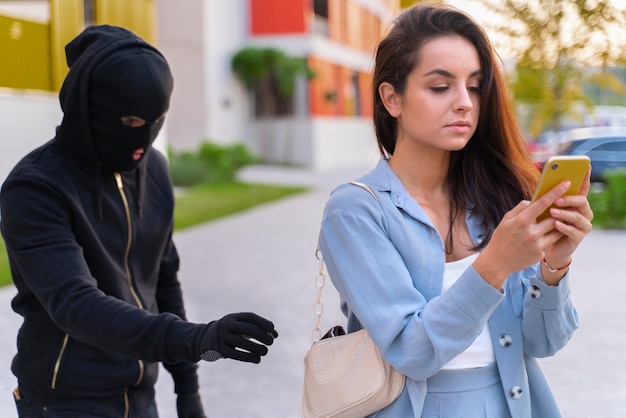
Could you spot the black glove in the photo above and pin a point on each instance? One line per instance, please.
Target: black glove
(240, 336)
(188, 405)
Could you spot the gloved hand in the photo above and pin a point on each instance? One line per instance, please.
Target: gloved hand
(240, 336)
(189, 405)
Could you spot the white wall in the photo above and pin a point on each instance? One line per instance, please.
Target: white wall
(282, 140)
(343, 142)
(199, 40)
(181, 40)
(27, 120)
(227, 99)
(321, 144)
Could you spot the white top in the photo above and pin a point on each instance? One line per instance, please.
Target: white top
(480, 353)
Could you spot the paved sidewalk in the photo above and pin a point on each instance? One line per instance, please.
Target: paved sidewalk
(263, 260)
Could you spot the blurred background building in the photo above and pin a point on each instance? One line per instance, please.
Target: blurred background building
(325, 124)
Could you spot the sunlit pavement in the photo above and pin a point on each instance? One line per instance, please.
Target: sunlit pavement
(263, 260)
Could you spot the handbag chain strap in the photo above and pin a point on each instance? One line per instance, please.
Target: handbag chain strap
(320, 280)
(318, 306)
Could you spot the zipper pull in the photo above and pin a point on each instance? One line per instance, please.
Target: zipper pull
(118, 180)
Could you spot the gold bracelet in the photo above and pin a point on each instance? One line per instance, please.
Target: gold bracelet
(554, 270)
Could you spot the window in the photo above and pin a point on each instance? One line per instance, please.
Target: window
(320, 22)
(617, 145)
(320, 8)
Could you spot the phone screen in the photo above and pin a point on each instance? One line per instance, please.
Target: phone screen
(558, 169)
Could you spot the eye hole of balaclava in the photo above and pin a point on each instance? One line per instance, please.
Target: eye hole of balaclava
(131, 85)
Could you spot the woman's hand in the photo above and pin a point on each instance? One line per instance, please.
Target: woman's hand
(520, 241)
(572, 219)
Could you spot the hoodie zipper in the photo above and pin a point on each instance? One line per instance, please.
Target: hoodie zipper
(129, 240)
(126, 404)
(57, 364)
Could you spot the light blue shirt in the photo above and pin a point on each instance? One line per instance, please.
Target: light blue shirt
(387, 259)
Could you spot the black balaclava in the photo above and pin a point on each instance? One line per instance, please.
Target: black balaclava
(118, 74)
(133, 81)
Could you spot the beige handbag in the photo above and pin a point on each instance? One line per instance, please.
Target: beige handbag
(345, 374)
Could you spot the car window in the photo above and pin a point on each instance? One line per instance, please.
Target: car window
(611, 146)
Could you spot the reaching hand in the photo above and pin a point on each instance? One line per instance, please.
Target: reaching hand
(189, 405)
(240, 336)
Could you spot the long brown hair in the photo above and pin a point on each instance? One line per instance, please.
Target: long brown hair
(494, 171)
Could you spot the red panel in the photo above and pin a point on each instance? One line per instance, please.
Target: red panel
(272, 17)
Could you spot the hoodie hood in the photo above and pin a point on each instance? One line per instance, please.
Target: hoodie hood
(112, 74)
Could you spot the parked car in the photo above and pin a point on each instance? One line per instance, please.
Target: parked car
(553, 142)
(605, 146)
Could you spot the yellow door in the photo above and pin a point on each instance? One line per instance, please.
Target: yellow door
(138, 16)
(66, 21)
(25, 57)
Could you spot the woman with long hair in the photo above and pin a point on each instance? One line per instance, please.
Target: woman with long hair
(448, 269)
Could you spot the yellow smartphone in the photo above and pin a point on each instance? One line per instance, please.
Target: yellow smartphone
(561, 168)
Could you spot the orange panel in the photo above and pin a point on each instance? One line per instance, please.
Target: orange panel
(365, 94)
(270, 17)
(347, 89)
(337, 21)
(370, 31)
(323, 94)
(353, 13)
(334, 26)
(333, 91)
(353, 25)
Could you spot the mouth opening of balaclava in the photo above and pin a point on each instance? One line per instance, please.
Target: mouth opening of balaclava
(133, 81)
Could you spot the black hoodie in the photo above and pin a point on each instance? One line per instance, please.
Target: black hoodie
(91, 249)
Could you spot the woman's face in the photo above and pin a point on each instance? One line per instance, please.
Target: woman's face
(440, 105)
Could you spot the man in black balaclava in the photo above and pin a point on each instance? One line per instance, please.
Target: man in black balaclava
(87, 219)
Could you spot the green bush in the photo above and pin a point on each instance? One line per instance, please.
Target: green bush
(609, 204)
(210, 163)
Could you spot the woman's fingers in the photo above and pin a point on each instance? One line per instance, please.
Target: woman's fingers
(544, 202)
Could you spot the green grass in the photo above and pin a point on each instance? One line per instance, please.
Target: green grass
(201, 204)
(207, 202)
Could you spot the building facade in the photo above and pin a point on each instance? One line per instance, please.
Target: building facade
(328, 124)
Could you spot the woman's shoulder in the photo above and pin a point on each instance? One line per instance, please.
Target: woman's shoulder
(366, 192)
(348, 198)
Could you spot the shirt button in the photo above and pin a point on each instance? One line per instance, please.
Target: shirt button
(516, 392)
(535, 292)
(505, 340)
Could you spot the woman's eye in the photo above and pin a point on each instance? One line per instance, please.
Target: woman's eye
(475, 89)
(439, 89)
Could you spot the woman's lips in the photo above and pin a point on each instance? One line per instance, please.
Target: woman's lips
(460, 126)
